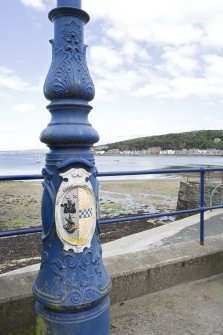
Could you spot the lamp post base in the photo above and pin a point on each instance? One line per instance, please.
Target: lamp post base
(95, 320)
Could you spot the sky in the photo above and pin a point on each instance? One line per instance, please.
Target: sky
(157, 67)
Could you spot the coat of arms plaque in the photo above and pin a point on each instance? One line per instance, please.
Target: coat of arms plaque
(75, 211)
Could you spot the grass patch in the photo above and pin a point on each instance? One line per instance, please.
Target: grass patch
(111, 208)
(15, 223)
(24, 331)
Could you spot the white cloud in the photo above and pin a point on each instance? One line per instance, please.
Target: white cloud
(23, 137)
(158, 50)
(156, 89)
(173, 21)
(25, 107)
(117, 32)
(182, 72)
(36, 4)
(214, 32)
(139, 127)
(10, 80)
(126, 129)
(131, 51)
(147, 12)
(176, 62)
(171, 48)
(183, 87)
(118, 71)
(214, 65)
(105, 57)
(164, 49)
(112, 85)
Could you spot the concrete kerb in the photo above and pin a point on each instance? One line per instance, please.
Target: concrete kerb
(149, 271)
(133, 275)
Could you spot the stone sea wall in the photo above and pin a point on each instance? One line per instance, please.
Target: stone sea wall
(189, 196)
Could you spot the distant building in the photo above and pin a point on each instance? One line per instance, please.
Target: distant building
(167, 152)
(181, 152)
(113, 152)
(154, 150)
(100, 152)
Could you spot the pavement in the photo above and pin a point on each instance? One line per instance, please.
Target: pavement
(193, 308)
(185, 230)
(158, 282)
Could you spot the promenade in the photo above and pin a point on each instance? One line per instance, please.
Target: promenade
(190, 308)
(193, 308)
(180, 231)
(164, 282)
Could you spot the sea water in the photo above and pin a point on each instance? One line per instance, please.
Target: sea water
(32, 162)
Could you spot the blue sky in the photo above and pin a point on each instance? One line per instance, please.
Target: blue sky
(157, 67)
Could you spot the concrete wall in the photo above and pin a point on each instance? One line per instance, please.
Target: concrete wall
(189, 196)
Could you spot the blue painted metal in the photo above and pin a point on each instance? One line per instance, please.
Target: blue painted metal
(21, 177)
(20, 232)
(122, 173)
(202, 204)
(69, 3)
(89, 321)
(71, 288)
(156, 171)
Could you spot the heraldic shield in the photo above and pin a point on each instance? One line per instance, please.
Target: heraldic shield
(75, 210)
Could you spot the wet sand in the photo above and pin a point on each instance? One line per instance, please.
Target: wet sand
(134, 196)
(20, 206)
(20, 202)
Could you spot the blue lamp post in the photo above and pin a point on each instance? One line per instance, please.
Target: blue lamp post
(72, 286)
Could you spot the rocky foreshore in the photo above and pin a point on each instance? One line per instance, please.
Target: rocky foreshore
(21, 206)
(20, 202)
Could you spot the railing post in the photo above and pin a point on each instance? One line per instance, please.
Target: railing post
(202, 205)
(72, 286)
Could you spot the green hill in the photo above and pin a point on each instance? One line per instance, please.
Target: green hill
(202, 139)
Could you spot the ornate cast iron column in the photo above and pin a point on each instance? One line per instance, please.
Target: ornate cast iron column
(72, 286)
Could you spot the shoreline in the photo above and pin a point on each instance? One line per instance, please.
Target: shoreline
(157, 155)
(21, 205)
(20, 201)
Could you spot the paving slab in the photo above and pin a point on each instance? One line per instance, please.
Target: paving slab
(194, 308)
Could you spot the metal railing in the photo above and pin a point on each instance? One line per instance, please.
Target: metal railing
(202, 209)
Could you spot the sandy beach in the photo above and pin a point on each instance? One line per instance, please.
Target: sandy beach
(21, 208)
(20, 202)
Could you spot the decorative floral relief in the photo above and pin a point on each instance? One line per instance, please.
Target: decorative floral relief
(44, 257)
(48, 183)
(69, 76)
(85, 277)
(49, 194)
(72, 33)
